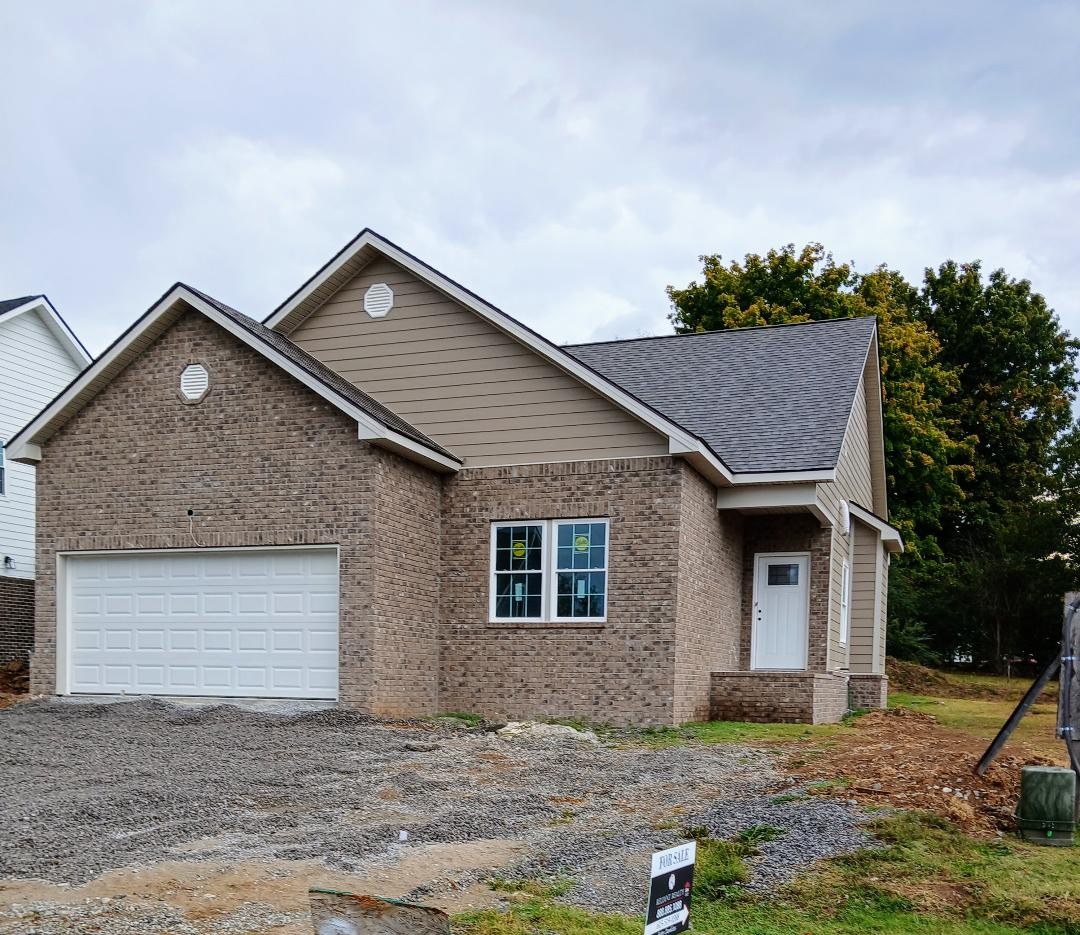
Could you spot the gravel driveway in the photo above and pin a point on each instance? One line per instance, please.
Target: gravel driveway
(88, 788)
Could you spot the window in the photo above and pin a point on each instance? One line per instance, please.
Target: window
(518, 575)
(845, 602)
(549, 570)
(784, 575)
(581, 570)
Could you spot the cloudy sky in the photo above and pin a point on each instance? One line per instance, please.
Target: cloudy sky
(566, 160)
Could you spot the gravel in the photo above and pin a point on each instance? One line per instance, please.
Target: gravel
(86, 788)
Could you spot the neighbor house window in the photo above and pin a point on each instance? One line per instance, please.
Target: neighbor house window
(845, 602)
(549, 570)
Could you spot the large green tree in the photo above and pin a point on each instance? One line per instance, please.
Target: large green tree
(977, 382)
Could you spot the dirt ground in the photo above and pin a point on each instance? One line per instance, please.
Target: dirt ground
(911, 757)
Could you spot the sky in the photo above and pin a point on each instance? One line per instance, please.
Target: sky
(565, 160)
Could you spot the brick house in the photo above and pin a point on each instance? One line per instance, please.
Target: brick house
(393, 494)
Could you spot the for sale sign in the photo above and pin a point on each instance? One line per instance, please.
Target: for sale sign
(669, 891)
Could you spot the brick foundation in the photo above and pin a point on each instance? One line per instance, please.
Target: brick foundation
(16, 617)
(787, 697)
(868, 690)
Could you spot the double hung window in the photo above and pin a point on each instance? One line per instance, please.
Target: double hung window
(549, 570)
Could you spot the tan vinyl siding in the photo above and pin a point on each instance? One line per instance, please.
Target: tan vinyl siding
(853, 478)
(463, 382)
(883, 608)
(865, 592)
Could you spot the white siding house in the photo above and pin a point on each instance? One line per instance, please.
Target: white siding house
(39, 356)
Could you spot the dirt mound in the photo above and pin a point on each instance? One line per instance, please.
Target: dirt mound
(906, 759)
(14, 681)
(916, 679)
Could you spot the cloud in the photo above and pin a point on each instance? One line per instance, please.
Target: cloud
(565, 163)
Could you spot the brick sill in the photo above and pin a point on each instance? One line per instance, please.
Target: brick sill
(545, 625)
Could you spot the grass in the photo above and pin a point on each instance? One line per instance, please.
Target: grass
(983, 717)
(926, 878)
(473, 720)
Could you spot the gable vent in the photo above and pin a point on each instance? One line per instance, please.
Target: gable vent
(194, 382)
(378, 300)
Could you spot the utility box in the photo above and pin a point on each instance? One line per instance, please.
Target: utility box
(1047, 810)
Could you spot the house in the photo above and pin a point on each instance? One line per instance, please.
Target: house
(39, 356)
(393, 494)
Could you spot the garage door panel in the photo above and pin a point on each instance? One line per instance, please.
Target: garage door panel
(217, 623)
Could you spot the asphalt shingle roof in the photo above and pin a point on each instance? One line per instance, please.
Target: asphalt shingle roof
(6, 305)
(764, 399)
(325, 375)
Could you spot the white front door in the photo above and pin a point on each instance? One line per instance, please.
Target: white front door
(256, 622)
(781, 612)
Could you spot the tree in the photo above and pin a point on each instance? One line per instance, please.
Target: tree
(925, 453)
(983, 478)
(1016, 380)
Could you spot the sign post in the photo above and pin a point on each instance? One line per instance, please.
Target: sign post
(669, 890)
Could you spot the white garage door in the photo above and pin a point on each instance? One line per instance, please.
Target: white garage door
(260, 623)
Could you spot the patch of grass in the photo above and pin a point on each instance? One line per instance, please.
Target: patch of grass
(788, 797)
(927, 878)
(733, 732)
(759, 834)
(545, 888)
(473, 720)
(828, 786)
(719, 866)
(982, 718)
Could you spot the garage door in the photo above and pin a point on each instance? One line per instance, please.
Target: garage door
(250, 624)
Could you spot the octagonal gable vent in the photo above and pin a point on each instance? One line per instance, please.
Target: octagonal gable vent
(194, 382)
(378, 300)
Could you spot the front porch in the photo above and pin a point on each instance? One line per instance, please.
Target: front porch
(811, 634)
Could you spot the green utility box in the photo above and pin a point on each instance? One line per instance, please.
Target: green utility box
(1047, 810)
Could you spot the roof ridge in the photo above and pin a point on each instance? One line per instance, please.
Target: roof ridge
(702, 334)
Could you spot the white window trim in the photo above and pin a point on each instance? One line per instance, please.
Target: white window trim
(492, 591)
(548, 571)
(845, 603)
(553, 587)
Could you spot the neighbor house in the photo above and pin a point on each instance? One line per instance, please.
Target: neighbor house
(393, 494)
(39, 356)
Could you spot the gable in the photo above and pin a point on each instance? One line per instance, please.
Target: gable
(462, 381)
(34, 367)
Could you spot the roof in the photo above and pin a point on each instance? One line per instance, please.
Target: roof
(318, 370)
(770, 399)
(55, 321)
(376, 422)
(6, 305)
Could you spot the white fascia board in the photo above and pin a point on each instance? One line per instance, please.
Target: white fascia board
(369, 428)
(57, 326)
(890, 535)
(681, 442)
(785, 477)
(23, 446)
(411, 449)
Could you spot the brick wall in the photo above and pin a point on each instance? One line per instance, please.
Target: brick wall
(16, 617)
(790, 532)
(263, 461)
(788, 697)
(709, 604)
(406, 590)
(621, 671)
(868, 690)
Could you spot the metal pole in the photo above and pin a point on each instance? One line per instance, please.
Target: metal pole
(1068, 726)
(1021, 709)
